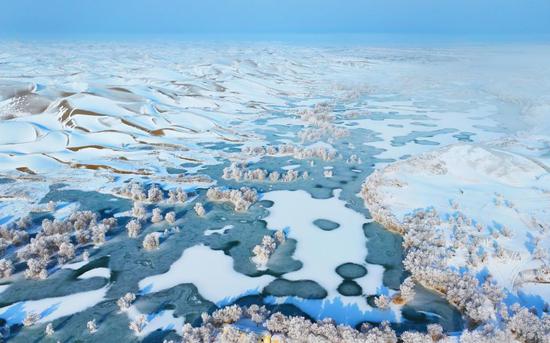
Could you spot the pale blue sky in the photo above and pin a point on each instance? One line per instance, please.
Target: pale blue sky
(20, 18)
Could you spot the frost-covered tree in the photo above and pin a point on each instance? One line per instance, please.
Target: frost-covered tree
(274, 176)
(49, 331)
(199, 209)
(6, 268)
(23, 223)
(155, 194)
(66, 252)
(406, 289)
(91, 326)
(151, 241)
(31, 318)
(157, 215)
(262, 252)
(170, 217)
(98, 234)
(138, 324)
(258, 314)
(134, 228)
(280, 237)
(139, 211)
(382, 302)
(36, 269)
(126, 301)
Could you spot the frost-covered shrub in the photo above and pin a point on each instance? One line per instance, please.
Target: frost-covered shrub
(353, 159)
(155, 194)
(91, 326)
(258, 314)
(280, 236)
(126, 301)
(36, 269)
(406, 289)
(23, 223)
(157, 215)
(199, 209)
(98, 234)
(138, 324)
(382, 302)
(6, 268)
(139, 211)
(66, 252)
(170, 217)
(49, 331)
(134, 228)
(151, 241)
(31, 318)
(274, 176)
(328, 173)
(262, 252)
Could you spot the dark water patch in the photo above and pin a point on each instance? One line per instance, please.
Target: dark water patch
(425, 142)
(102, 262)
(325, 224)
(349, 288)
(351, 270)
(172, 170)
(429, 307)
(305, 289)
(464, 136)
(104, 204)
(385, 248)
(184, 299)
(415, 136)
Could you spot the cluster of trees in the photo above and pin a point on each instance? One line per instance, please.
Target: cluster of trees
(241, 198)
(154, 194)
(276, 327)
(56, 241)
(287, 149)
(522, 326)
(239, 171)
(322, 119)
